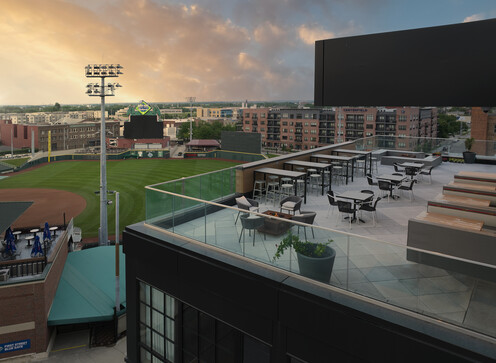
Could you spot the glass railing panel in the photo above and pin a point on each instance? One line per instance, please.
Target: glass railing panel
(386, 272)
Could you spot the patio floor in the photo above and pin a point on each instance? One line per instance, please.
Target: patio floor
(374, 266)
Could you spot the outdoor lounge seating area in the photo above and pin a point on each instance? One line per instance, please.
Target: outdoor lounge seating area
(461, 223)
(377, 265)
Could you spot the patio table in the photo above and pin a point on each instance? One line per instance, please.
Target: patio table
(308, 164)
(361, 153)
(345, 159)
(294, 175)
(356, 197)
(394, 179)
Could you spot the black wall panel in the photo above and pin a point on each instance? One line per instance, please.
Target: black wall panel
(452, 65)
(248, 142)
(143, 127)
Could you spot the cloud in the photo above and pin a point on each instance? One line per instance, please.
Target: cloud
(309, 35)
(474, 17)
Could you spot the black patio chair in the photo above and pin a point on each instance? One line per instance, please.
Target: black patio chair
(371, 207)
(426, 171)
(305, 217)
(331, 197)
(386, 186)
(408, 186)
(347, 208)
(251, 223)
(246, 204)
(370, 180)
(397, 168)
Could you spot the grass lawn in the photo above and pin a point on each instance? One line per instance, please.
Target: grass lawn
(128, 177)
(15, 162)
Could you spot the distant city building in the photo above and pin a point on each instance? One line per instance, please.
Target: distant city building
(209, 113)
(63, 136)
(51, 117)
(483, 127)
(302, 129)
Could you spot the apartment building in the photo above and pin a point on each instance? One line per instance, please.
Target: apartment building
(302, 129)
(203, 112)
(483, 127)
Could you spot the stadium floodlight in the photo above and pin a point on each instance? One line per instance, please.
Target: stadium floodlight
(191, 100)
(102, 90)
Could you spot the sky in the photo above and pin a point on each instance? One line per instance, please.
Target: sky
(214, 50)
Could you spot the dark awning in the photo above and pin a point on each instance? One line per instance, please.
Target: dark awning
(10, 211)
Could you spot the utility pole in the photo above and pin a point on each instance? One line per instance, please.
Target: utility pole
(191, 100)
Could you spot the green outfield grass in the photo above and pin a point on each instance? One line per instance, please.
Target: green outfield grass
(128, 177)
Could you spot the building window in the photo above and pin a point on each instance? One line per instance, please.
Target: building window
(370, 117)
(369, 126)
(262, 115)
(157, 325)
(285, 115)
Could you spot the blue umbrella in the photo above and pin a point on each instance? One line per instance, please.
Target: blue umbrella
(46, 233)
(36, 251)
(10, 246)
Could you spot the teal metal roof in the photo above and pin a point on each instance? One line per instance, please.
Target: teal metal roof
(86, 291)
(10, 211)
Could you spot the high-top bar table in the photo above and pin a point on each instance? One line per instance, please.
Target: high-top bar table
(308, 164)
(360, 153)
(284, 173)
(346, 159)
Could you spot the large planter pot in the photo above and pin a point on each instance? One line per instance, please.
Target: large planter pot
(469, 157)
(317, 268)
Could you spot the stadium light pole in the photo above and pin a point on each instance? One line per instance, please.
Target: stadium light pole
(191, 100)
(101, 90)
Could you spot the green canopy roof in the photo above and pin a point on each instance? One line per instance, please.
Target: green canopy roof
(10, 211)
(86, 291)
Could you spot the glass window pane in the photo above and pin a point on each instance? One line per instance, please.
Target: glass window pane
(142, 291)
(169, 351)
(170, 306)
(147, 294)
(142, 312)
(158, 344)
(169, 328)
(147, 316)
(158, 321)
(158, 300)
(146, 357)
(143, 335)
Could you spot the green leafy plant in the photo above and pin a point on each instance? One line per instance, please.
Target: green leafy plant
(469, 143)
(306, 248)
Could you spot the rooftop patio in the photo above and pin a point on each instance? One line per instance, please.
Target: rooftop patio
(370, 260)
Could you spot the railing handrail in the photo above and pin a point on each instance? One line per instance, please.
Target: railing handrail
(191, 177)
(326, 229)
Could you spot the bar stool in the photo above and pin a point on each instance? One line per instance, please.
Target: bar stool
(374, 162)
(360, 167)
(272, 190)
(310, 171)
(327, 177)
(337, 174)
(286, 191)
(315, 181)
(300, 187)
(258, 189)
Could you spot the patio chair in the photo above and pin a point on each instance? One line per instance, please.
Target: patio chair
(332, 201)
(397, 168)
(385, 186)
(407, 186)
(251, 223)
(411, 172)
(291, 204)
(370, 180)
(371, 207)
(347, 208)
(246, 204)
(305, 217)
(426, 171)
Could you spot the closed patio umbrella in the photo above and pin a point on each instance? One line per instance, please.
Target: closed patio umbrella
(36, 251)
(10, 246)
(46, 233)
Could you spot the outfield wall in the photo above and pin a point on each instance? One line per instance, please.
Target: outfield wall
(134, 154)
(225, 154)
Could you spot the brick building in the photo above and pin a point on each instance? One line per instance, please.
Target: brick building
(63, 137)
(302, 129)
(483, 127)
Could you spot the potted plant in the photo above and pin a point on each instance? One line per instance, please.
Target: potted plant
(315, 260)
(469, 156)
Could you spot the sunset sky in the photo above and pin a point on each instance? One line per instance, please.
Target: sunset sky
(216, 50)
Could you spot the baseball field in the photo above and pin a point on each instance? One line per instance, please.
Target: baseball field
(69, 186)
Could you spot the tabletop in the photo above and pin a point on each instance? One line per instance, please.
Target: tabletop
(309, 164)
(390, 177)
(359, 152)
(355, 195)
(34, 230)
(334, 157)
(281, 172)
